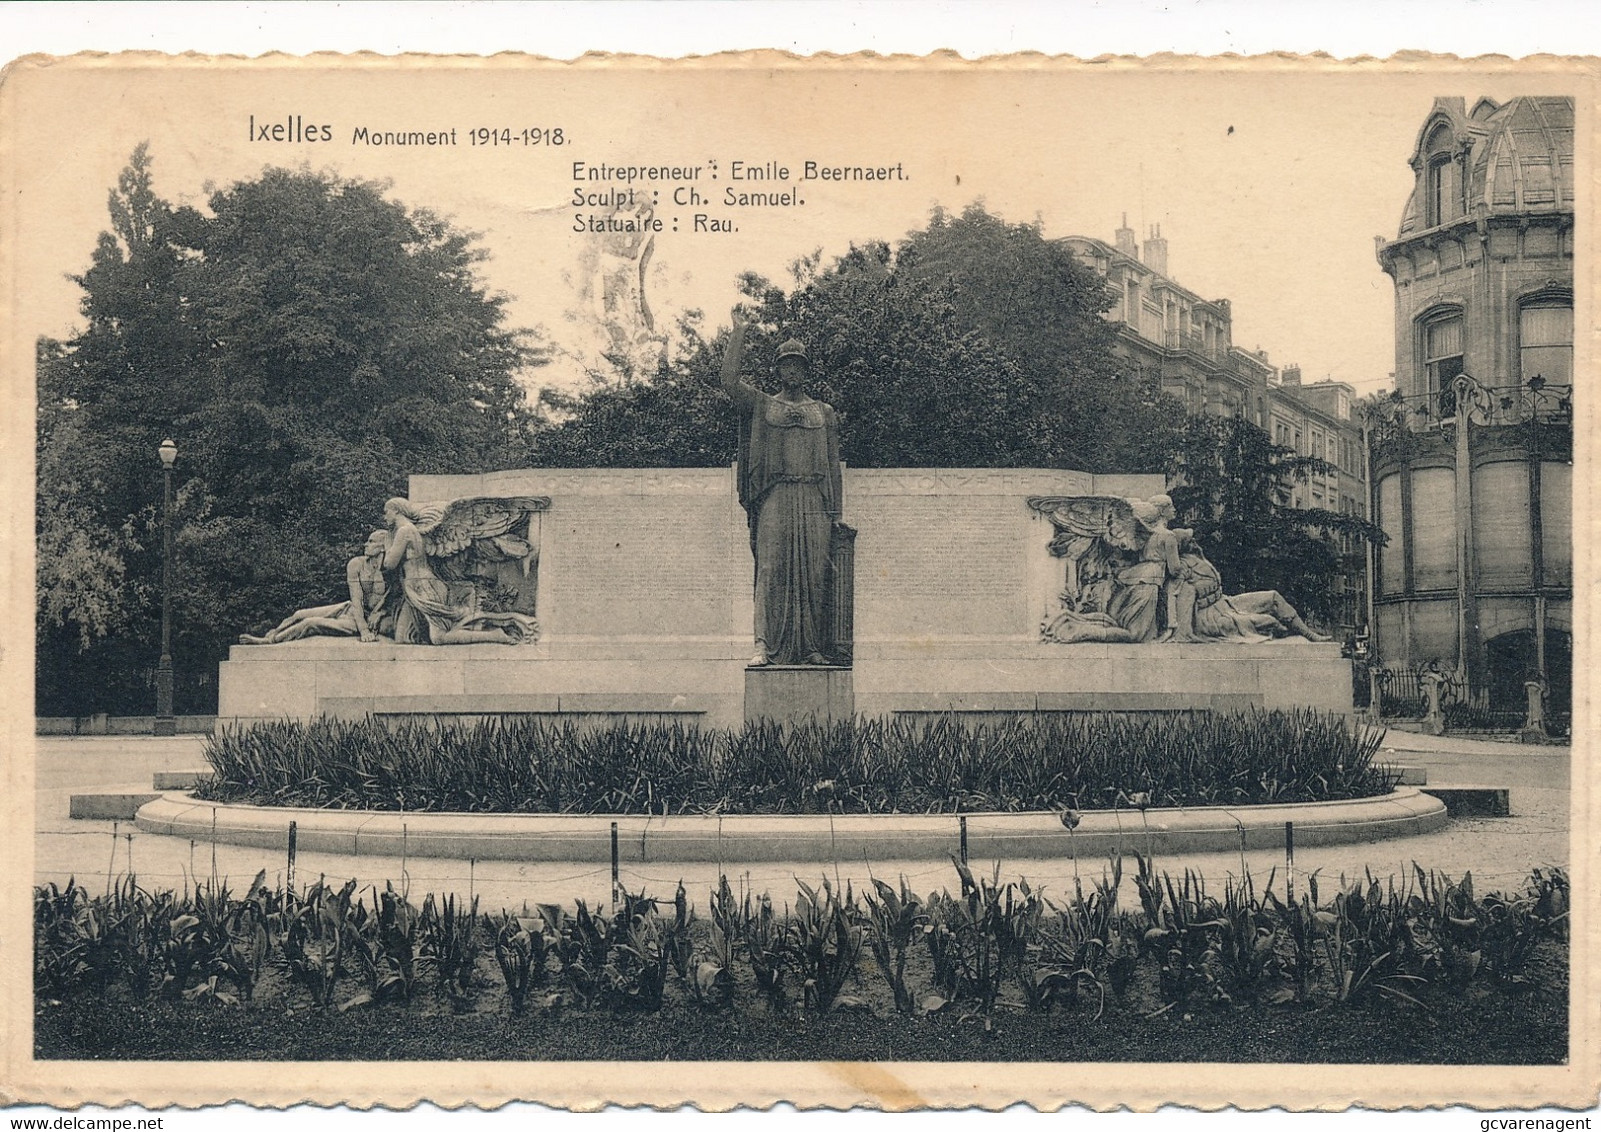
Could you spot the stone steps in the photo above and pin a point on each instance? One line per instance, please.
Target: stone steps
(111, 803)
(121, 803)
(1474, 801)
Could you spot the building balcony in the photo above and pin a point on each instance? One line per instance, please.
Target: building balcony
(1189, 343)
(1535, 416)
(1534, 400)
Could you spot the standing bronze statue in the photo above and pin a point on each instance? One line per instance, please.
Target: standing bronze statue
(789, 485)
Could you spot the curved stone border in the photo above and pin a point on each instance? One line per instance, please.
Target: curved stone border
(739, 838)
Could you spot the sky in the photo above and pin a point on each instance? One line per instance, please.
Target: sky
(1269, 188)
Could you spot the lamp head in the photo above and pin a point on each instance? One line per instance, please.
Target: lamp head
(168, 453)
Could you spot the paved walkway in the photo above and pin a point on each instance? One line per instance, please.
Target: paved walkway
(1499, 851)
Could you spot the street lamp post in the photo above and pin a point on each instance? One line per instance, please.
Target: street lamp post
(165, 724)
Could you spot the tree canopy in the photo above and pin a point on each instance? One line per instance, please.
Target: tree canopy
(973, 343)
(1044, 310)
(1234, 483)
(307, 342)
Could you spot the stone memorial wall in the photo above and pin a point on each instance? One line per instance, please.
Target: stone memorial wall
(940, 555)
(951, 555)
(627, 553)
(645, 612)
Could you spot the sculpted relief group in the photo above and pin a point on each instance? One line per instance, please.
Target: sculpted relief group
(1132, 579)
(458, 574)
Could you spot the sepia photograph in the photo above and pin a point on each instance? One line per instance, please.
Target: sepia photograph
(914, 582)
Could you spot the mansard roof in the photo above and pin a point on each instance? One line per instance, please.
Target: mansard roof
(1517, 156)
(1108, 254)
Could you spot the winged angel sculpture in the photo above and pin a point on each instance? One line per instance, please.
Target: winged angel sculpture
(1130, 578)
(467, 570)
(463, 572)
(1116, 572)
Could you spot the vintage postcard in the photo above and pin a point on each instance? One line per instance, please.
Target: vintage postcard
(857, 581)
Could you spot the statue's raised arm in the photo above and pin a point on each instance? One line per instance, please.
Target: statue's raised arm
(740, 391)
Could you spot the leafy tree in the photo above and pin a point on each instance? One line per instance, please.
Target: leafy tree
(1043, 309)
(1235, 492)
(928, 363)
(679, 419)
(81, 570)
(913, 388)
(308, 343)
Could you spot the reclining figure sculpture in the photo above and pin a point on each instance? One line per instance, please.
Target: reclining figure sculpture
(1133, 579)
(462, 572)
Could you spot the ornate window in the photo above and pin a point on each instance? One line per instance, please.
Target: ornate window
(1442, 361)
(1545, 339)
(1442, 182)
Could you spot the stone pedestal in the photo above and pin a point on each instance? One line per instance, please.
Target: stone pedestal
(692, 681)
(998, 677)
(1534, 722)
(1434, 719)
(787, 693)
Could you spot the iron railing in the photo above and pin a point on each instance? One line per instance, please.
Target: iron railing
(1533, 400)
(1462, 706)
(1401, 694)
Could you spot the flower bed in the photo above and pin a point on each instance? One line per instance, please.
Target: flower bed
(832, 966)
(523, 765)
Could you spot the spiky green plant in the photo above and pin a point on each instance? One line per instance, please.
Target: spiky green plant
(893, 921)
(521, 764)
(823, 943)
(450, 941)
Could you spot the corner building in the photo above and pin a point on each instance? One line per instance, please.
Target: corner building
(1472, 455)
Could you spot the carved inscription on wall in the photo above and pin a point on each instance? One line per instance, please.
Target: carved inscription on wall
(939, 566)
(575, 483)
(634, 566)
(994, 482)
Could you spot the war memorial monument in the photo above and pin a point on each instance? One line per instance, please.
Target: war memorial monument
(628, 594)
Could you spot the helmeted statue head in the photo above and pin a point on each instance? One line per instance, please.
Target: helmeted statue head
(792, 364)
